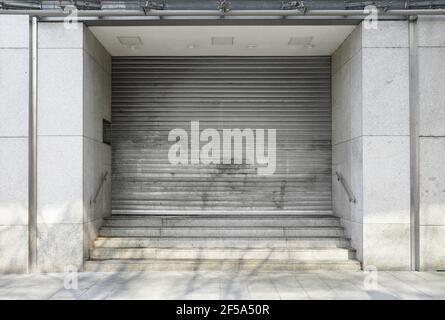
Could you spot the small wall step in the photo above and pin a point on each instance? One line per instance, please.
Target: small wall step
(219, 265)
(310, 254)
(222, 221)
(220, 231)
(190, 213)
(234, 242)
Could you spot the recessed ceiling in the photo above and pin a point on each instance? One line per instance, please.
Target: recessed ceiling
(247, 40)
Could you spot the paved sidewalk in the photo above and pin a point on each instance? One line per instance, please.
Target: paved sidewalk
(217, 285)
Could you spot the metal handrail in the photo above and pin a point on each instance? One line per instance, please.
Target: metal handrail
(102, 181)
(346, 187)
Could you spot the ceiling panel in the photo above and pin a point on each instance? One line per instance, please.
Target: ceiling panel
(246, 40)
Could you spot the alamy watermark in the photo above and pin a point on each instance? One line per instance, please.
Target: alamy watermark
(371, 281)
(370, 22)
(70, 22)
(71, 278)
(226, 150)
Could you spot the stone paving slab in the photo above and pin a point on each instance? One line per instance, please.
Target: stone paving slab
(384, 285)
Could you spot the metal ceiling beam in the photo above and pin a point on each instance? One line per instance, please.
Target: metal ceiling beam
(218, 13)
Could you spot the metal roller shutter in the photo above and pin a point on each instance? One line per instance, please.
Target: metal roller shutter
(152, 95)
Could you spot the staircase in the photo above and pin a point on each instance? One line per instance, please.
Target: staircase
(221, 241)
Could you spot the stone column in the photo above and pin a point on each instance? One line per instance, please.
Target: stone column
(347, 135)
(74, 92)
(371, 115)
(14, 105)
(60, 147)
(96, 154)
(431, 51)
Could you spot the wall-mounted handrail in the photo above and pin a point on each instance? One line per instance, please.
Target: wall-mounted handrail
(99, 188)
(346, 187)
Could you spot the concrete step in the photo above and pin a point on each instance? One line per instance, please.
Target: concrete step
(222, 242)
(147, 208)
(229, 265)
(185, 211)
(262, 240)
(309, 254)
(222, 221)
(221, 231)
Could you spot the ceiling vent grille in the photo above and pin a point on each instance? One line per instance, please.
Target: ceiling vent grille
(301, 41)
(130, 42)
(222, 41)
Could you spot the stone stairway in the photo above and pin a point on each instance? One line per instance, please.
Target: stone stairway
(221, 241)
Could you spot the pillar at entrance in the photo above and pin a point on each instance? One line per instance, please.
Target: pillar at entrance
(74, 90)
(371, 142)
(14, 105)
(371, 146)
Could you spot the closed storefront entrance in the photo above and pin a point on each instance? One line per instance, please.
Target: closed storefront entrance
(281, 100)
